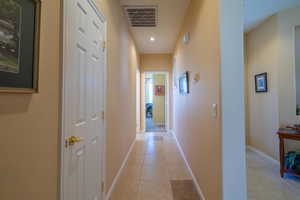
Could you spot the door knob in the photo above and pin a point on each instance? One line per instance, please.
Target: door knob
(73, 140)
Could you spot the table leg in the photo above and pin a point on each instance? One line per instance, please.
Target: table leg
(282, 154)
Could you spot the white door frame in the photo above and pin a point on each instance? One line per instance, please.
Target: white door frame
(167, 98)
(64, 54)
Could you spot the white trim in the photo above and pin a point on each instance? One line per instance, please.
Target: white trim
(264, 155)
(189, 168)
(115, 181)
(105, 108)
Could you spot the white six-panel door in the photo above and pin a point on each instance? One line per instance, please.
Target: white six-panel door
(83, 101)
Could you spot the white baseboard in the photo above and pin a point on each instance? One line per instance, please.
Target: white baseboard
(263, 155)
(115, 181)
(189, 168)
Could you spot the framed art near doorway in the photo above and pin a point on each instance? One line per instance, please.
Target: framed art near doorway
(261, 83)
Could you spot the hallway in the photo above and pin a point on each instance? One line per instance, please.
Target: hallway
(155, 171)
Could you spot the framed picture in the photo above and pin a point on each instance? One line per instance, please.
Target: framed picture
(261, 82)
(184, 87)
(159, 90)
(19, 45)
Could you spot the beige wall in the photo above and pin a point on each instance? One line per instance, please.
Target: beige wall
(262, 54)
(159, 101)
(198, 132)
(29, 124)
(270, 48)
(156, 63)
(123, 60)
(29, 164)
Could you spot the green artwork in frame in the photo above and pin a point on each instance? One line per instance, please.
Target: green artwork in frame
(19, 45)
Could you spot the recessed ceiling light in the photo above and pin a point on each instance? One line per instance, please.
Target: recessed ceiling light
(152, 39)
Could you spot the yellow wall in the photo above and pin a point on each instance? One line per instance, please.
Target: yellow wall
(270, 49)
(262, 54)
(197, 132)
(159, 101)
(123, 60)
(156, 63)
(29, 164)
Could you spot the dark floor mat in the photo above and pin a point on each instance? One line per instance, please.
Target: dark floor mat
(184, 190)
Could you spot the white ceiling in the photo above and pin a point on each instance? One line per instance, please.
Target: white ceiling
(170, 17)
(256, 11)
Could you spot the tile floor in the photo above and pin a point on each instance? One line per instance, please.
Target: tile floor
(265, 183)
(151, 127)
(154, 171)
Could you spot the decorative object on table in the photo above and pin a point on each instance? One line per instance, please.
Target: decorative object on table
(292, 161)
(184, 87)
(261, 82)
(288, 162)
(19, 45)
(159, 90)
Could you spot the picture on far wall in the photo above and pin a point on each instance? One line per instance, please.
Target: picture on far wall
(261, 82)
(159, 90)
(19, 42)
(184, 87)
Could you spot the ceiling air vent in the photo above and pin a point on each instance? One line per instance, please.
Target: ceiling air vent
(141, 16)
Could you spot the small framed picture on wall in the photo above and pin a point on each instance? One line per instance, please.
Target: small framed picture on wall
(261, 82)
(184, 87)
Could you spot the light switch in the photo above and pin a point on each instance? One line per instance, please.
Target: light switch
(214, 112)
(197, 77)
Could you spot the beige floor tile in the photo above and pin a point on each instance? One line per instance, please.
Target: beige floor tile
(174, 159)
(154, 162)
(155, 173)
(126, 189)
(135, 159)
(155, 191)
(132, 172)
(158, 159)
(179, 172)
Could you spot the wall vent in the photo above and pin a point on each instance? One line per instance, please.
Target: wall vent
(141, 16)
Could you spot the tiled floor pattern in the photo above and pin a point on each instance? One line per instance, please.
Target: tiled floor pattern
(155, 171)
(265, 183)
(151, 127)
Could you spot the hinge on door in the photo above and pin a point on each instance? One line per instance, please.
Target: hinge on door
(103, 115)
(103, 45)
(66, 143)
(102, 186)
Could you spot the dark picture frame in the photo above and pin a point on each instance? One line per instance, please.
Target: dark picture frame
(20, 41)
(261, 82)
(184, 86)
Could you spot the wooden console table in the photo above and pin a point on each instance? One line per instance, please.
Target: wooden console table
(289, 134)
